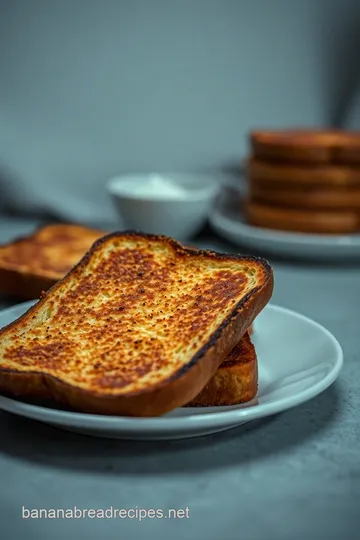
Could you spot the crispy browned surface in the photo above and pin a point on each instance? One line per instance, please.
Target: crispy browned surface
(235, 381)
(308, 146)
(137, 328)
(262, 174)
(34, 263)
(285, 219)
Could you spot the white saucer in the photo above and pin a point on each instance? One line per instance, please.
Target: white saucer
(298, 359)
(227, 221)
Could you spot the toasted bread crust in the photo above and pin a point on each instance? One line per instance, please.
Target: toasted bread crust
(262, 174)
(235, 381)
(306, 146)
(183, 382)
(285, 219)
(32, 264)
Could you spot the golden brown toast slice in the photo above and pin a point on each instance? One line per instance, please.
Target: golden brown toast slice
(137, 328)
(34, 263)
(306, 146)
(235, 381)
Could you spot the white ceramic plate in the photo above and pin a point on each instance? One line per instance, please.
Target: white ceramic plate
(227, 221)
(297, 357)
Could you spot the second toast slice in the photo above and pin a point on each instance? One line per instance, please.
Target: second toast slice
(236, 380)
(34, 263)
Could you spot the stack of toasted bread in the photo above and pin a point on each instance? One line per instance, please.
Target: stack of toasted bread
(130, 324)
(304, 181)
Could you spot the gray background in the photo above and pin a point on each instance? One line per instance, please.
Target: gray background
(92, 88)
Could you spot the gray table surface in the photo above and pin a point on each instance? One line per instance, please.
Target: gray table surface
(294, 476)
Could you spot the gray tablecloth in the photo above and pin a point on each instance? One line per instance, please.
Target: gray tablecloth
(294, 476)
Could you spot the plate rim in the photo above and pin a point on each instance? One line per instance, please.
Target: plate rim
(222, 222)
(213, 420)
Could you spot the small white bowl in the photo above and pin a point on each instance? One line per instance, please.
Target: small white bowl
(175, 205)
